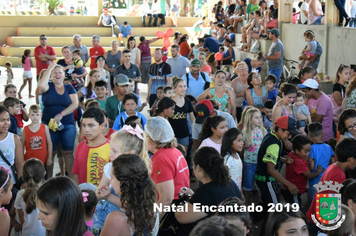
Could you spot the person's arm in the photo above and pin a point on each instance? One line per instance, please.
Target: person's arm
(191, 117)
(153, 40)
(75, 178)
(49, 147)
(203, 95)
(43, 83)
(232, 102)
(23, 139)
(85, 72)
(271, 169)
(138, 58)
(165, 192)
(31, 63)
(337, 97)
(276, 56)
(99, 21)
(309, 119)
(307, 49)
(24, 113)
(311, 175)
(19, 159)
(189, 216)
(169, 81)
(276, 113)
(149, 90)
(316, 117)
(21, 216)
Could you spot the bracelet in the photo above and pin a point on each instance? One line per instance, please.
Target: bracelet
(61, 114)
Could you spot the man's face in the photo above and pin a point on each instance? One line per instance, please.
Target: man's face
(127, 57)
(174, 52)
(43, 40)
(95, 43)
(122, 90)
(76, 41)
(194, 70)
(157, 55)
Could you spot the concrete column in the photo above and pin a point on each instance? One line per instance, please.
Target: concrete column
(285, 11)
(100, 7)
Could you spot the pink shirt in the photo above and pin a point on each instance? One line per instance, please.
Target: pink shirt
(27, 65)
(209, 143)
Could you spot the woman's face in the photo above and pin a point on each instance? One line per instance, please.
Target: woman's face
(115, 183)
(47, 215)
(350, 125)
(4, 122)
(309, 75)
(95, 77)
(345, 75)
(220, 79)
(256, 79)
(202, 59)
(66, 53)
(132, 43)
(100, 62)
(295, 226)
(58, 75)
(169, 112)
(290, 98)
(181, 88)
(241, 70)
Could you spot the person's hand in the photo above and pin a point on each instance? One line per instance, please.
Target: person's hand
(293, 189)
(301, 116)
(17, 226)
(58, 118)
(49, 161)
(319, 169)
(288, 144)
(186, 190)
(144, 104)
(289, 161)
(104, 191)
(309, 160)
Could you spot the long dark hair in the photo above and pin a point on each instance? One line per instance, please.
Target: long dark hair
(62, 194)
(182, 39)
(346, 114)
(89, 87)
(276, 219)
(213, 165)
(229, 137)
(25, 54)
(210, 122)
(138, 193)
(165, 103)
(132, 38)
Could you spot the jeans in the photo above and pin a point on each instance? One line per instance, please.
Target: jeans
(149, 15)
(276, 72)
(249, 176)
(340, 4)
(161, 16)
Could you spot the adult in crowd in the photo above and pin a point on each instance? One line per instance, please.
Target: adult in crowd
(156, 13)
(275, 54)
(196, 80)
(256, 92)
(210, 47)
(340, 4)
(204, 65)
(210, 170)
(314, 60)
(44, 55)
(108, 20)
(135, 52)
(219, 14)
(184, 48)
(272, 18)
(112, 60)
(304, 12)
(144, 47)
(130, 180)
(346, 125)
(220, 34)
(77, 38)
(59, 101)
(316, 14)
(160, 75)
(351, 94)
(169, 168)
(251, 7)
(104, 74)
(177, 62)
(320, 107)
(174, 12)
(145, 11)
(222, 93)
(229, 53)
(239, 85)
(95, 51)
(239, 14)
(255, 65)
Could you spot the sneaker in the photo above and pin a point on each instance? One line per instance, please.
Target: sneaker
(113, 35)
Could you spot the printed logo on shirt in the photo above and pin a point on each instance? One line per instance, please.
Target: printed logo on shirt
(97, 159)
(158, 77)
(179, 116)
(158, 172)
(36, 142)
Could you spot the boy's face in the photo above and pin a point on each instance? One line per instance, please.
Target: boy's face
(131, 87)
(268, 113)
(160, 94)
(92, 129)
(304, 152)
(270, 85)
(169, 93)
(130, 107)
(299, 101)
(100, 91)
(76, 56)
(283, 134)
(15, 109)
(122, 90)
(35, 116)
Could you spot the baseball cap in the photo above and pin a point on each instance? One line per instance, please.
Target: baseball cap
(105, 9)
(309, 83)
(287, 123)
(195, 62)
(121, 80)
(204, 109)
(274, 31)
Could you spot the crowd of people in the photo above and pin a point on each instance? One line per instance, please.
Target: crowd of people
(231, 133)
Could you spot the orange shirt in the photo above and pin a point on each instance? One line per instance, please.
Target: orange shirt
(36, 144)
(184, 48)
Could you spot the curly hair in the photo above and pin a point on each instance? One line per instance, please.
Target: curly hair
(213, 165)
(138, 193)
(351, 86)
(209, 123)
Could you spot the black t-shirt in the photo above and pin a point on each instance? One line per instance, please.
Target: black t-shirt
(340, 88)
(274, 12)
(67, 72)
(179, 120)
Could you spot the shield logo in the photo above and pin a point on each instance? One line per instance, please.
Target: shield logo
(328, 208)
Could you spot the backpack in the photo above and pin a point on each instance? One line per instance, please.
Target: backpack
(206, 85)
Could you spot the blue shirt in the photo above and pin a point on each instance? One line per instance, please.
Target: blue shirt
(272, 95)
(120, 120)
(196, 87)
(212, 44)
(248, 63)
(13, 126)
(125, 30)
(179, 65)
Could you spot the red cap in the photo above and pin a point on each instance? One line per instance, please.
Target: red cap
(105, 9)
(204, 109)
(287, 123)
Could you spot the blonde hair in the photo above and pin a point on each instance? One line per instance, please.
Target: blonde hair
(128, 142)
(57, 66)
(241, 123)
(176, 80)
(248, 126)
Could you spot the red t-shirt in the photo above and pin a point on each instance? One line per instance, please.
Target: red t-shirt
(89, 162)
(19, 119)
(40, 65)
(294, 172)
(332, 173)
(36, 144)
(170, 164)
(94, 53)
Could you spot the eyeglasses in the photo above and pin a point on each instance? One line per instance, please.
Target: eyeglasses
(349, 128)
(43, 38)
(157, 54)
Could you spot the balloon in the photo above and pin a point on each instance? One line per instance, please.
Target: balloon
(218, 56)
(159, 34)
(169, 32)
(166, 42)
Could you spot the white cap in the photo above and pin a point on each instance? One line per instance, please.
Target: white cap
(159, 129)
(309, 83)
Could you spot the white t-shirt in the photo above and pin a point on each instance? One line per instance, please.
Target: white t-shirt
(235, 169)
(32, 225)
(305, 7)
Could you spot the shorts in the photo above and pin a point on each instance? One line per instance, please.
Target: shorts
(66, 137)
(103, 209)
(27, 75)
(198, 29)
(249, 176)
(211, 57)
(317, 21)
(236, 17)
(272, 24)
(124, 35)
(309, 54)
(183, 141)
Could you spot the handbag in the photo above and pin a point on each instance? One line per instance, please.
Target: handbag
(13, 168)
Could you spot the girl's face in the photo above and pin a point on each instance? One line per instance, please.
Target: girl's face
(115, 150)
(220, 79)
(4, 122)
(350, 125)
(169, 112)
(11, 92)
(95, 77)
(290, 98)
(100, 62)
(220, 130)
(181, 88)
(47, 215)
(345, 75)
(295, 226)
(256, 79)
(115, 183)
(257, 119)
(238, 144)
(202, 59)
(310, 75)
(131, 87)
(307, 39)
(6, 196)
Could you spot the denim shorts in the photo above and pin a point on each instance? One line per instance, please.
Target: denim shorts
(317, 21)
(66, 137)
(249, 176)
(183, 141)
(103, 209)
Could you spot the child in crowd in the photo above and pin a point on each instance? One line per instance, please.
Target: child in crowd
(219, 62)
(131, 89)
(232, 144)
(36, 138)
(60, 204)
(321, 152)
(130, 104)
(6, 185)
(310, 49)
(13, 105)
(194, 52)
(10, 74)
(131, 120)
(231, 35)
(100, 91)
(240, 125)
(90, 200)
(160, 95)
(27, 64)
(267, 117)
(33, 173)
(168, 91)
(299, 107)
(253, 134)
(301, 169)
(125, 31)
(93, 154)
(212, 132)
(78, 66)
(272, 92)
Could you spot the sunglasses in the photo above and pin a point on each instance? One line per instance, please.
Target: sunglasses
(43, 38)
